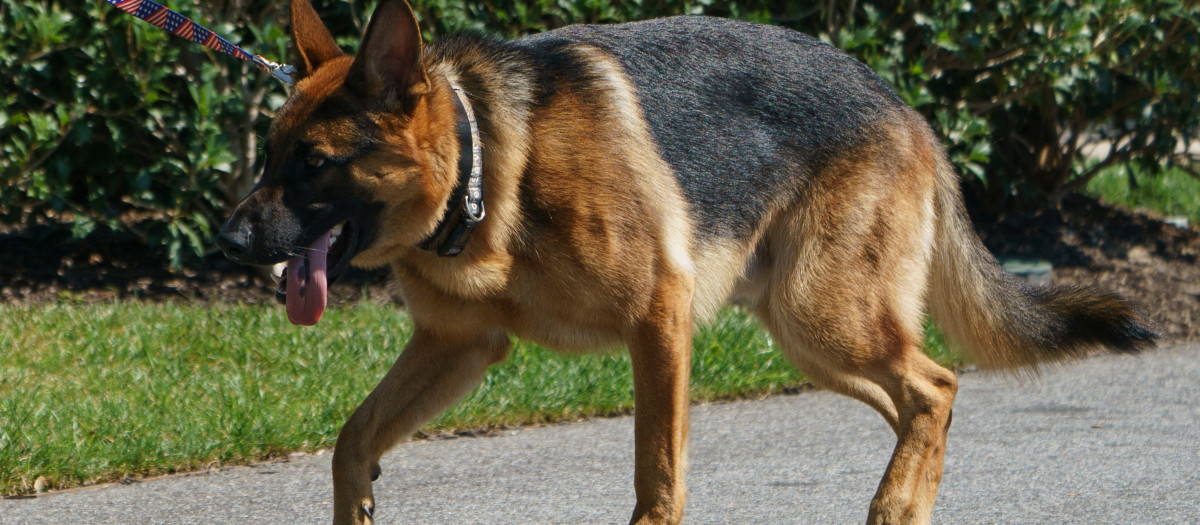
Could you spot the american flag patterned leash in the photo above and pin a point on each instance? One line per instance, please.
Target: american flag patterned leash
(182, 26)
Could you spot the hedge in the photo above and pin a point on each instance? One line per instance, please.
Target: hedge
(108, 122)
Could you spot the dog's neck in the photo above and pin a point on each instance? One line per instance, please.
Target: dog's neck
(465, 208)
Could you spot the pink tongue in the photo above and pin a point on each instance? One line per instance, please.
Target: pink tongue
(307, 284)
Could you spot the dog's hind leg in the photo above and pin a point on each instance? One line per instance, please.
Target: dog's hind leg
(915, 396)
(844, 300)
(858, 345)
(433, 371)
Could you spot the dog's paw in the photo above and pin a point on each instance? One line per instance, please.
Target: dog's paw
(375, 472)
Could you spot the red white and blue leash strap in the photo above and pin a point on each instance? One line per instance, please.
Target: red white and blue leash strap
(184, 27)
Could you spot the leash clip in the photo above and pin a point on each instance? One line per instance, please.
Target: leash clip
(282, 72)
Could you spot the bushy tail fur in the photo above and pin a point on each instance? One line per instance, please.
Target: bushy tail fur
(1001, 322)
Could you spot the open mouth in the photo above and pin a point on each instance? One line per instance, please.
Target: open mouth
(303, 281)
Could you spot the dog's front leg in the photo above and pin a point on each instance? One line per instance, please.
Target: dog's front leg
(661, 351)
(433, 371)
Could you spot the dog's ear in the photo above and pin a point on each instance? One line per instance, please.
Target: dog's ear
(312, 39)
(388, 64)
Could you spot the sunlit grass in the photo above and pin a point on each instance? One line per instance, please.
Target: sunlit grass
(1174, 192)
(98, 392)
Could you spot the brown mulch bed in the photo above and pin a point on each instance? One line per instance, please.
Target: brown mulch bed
(1088, 242)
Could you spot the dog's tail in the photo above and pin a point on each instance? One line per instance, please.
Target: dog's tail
(1001, 322)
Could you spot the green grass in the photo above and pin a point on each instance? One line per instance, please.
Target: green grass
(97, 392)
(1174, 192)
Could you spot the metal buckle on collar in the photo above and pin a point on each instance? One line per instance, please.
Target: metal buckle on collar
(469, 206)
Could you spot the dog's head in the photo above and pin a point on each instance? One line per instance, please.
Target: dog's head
(358, 161)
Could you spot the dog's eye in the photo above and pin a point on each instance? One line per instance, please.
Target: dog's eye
(314, 161)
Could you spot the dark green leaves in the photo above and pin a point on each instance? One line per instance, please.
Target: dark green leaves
(104, 118)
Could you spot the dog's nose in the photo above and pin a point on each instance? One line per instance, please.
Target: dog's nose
(234, 242)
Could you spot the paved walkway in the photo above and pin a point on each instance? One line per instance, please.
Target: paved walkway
(1111, 439)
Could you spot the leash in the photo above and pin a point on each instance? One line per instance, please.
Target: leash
(182, 26)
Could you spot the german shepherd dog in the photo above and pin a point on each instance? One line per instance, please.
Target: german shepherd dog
(602, 185)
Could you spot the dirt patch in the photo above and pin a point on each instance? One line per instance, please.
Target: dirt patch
(1086, 241)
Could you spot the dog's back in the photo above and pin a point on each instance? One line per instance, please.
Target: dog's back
(742, 112)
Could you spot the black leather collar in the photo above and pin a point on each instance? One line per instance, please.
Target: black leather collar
(465, 209)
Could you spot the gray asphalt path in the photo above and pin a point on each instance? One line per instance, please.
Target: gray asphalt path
(1111, 439)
